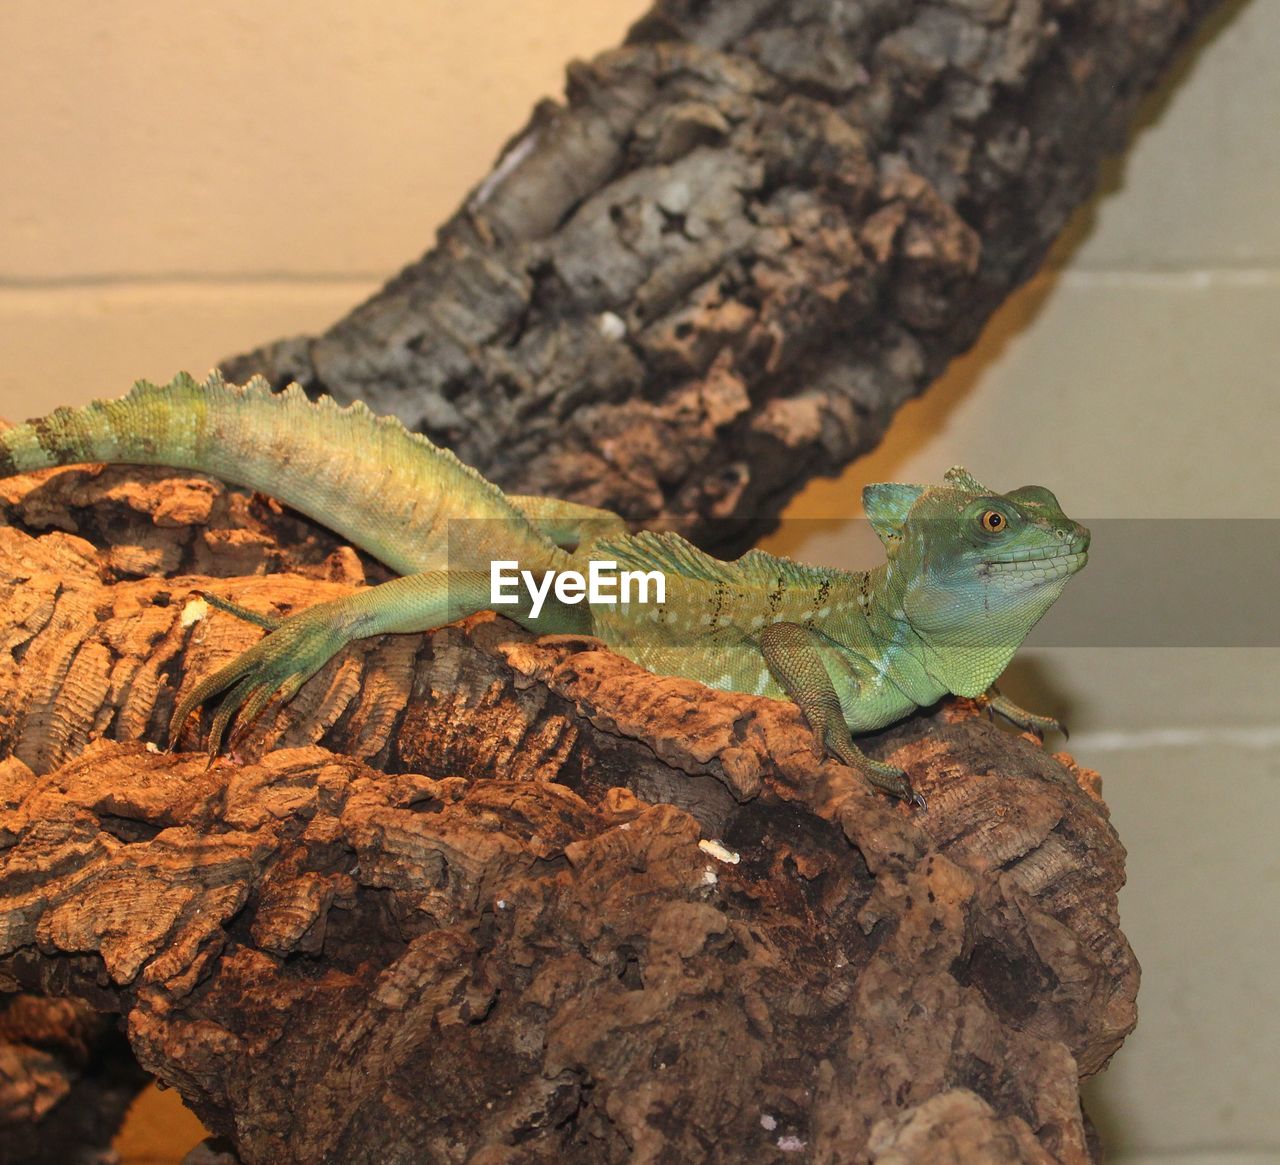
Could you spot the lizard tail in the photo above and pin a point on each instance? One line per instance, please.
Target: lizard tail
(391, 492)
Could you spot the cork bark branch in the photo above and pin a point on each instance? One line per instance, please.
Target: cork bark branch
(746, 238)
(451, 903)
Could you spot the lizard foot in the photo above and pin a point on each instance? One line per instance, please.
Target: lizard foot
(289, 655)
(891, 780)
(887, 778)
(1000, 705)
(793, 656)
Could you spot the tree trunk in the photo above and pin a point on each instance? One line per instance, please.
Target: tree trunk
(748, 237)
(459, 901)
(454, 902)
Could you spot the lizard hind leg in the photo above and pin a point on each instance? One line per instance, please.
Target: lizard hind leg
(794, 661)
(294, 649)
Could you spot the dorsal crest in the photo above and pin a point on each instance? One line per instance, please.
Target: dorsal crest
(670, 553)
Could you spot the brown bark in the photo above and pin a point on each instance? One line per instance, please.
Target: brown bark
(451, 905)
(748, 236)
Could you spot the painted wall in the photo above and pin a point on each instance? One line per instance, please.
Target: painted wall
(184, 182)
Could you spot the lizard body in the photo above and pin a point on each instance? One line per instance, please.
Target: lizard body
(968, 571)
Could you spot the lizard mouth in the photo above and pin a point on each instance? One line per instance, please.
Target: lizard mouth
(1038, 565)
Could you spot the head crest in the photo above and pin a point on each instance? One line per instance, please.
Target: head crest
(959, 476)
(887, 505)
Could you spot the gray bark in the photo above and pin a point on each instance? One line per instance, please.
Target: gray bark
(744, 240)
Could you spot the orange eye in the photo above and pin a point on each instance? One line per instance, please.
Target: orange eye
(993, 521)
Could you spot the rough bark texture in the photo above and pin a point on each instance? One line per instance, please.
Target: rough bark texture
(748, 236)
(451, 905)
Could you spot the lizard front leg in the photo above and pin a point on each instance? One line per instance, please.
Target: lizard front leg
(793, 659)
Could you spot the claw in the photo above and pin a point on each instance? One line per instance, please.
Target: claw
(905, 793)
(226, 711)
(889, 779)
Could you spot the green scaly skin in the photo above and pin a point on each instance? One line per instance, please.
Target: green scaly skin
(968, 572)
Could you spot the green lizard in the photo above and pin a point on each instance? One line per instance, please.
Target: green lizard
(968, 571)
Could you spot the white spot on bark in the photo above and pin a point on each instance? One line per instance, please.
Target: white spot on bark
(674, 197)
(195, 610)
(718, 850)
(611, 325)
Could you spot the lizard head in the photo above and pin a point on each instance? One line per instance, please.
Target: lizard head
(975, 569)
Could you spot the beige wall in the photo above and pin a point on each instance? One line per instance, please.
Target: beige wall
(184, 182)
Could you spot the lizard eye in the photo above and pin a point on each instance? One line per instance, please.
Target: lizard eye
(992, 521)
